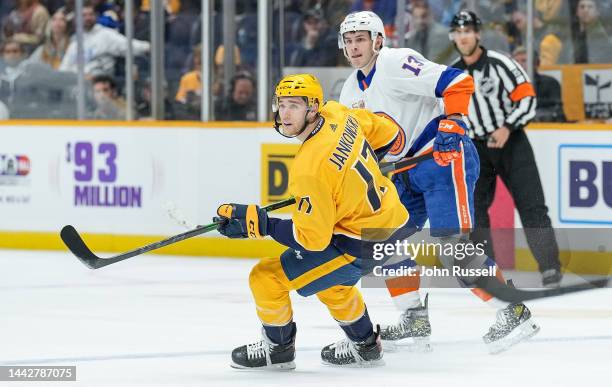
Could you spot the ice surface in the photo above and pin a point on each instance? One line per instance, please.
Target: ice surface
(168, 321)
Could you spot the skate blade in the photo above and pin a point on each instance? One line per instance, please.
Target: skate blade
(410, 344)
(289, 366)
(363, 364)
(523, 332)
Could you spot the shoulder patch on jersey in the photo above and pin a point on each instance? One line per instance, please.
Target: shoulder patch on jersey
(398, 144)
(305, 205)
(400, 139)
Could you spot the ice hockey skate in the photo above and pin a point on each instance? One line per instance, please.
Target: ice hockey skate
(412, 324)
(347, 353)
(265, 355)
(513, 325)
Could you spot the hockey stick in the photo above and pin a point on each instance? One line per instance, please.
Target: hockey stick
(392, 167)
(77, 246)
(510, 294)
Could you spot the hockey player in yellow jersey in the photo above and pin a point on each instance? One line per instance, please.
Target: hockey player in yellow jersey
(339, 191)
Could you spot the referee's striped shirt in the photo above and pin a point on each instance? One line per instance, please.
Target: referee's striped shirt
(503, 95)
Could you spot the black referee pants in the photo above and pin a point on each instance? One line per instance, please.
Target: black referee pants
(516, 166)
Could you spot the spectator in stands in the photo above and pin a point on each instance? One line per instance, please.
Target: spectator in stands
(109, 104)
(142, 20)
(178, 31)
(548, 38)
(102, 45)
(427, 36)
(191, 82)
(592, 43)
(57, 38)
(240, 104)
(108, 12)
(11, 68)
(172, 7)
(552, 11)
(26, 24)
(319, 45)
(218, 71)
(143, 107)
(189, 94)
(518, 26)
(548, 90)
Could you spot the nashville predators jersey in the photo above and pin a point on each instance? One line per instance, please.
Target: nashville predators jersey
(336, 181)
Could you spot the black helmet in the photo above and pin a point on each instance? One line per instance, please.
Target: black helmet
(464, 19)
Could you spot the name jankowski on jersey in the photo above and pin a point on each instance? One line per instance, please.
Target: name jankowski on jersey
(345, 144)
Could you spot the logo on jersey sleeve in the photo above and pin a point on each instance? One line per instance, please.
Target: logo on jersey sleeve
(398, 144)
(400, 140)
(305, 205)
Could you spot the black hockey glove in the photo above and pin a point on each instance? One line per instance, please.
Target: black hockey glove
(242, 221)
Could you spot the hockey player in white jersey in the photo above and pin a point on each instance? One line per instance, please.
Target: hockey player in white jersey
(428, 102)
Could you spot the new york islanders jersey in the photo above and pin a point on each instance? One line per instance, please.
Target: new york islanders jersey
(335, 179)
(410, 91)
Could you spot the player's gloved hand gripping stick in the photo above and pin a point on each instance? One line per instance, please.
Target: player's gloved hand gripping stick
(75, 243)
(447, 144)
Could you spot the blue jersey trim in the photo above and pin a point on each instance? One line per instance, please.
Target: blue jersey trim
(445, 79)
(364, 81)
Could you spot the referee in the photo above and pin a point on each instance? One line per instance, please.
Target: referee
(503, 103)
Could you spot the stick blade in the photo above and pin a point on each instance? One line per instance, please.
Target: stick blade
(77, 246)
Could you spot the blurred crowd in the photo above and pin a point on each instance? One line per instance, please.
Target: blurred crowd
(38, 52)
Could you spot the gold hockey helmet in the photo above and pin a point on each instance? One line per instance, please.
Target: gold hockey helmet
(299, 85)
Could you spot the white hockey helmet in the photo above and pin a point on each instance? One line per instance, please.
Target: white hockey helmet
(362, 21)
